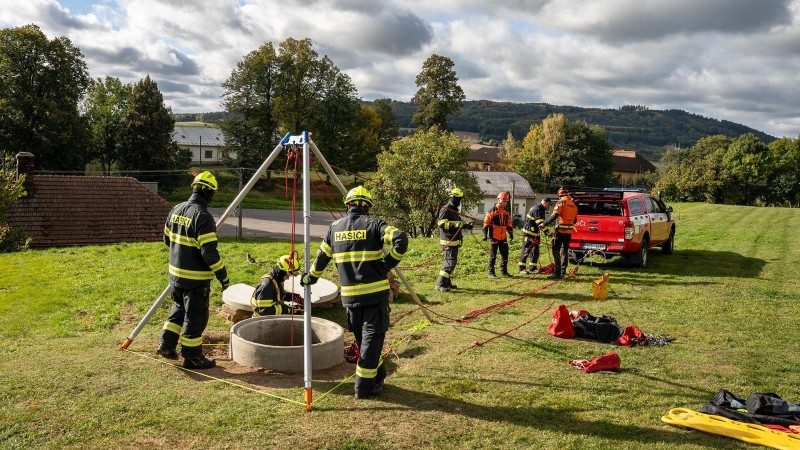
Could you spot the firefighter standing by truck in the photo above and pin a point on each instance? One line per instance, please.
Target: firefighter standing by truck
(565, 212)
(531, 238)
(450, 238)
(497, 228)
(191, 235)
(268, 296)
(355, 244)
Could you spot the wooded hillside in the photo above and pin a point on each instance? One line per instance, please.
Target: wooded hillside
(628, 128)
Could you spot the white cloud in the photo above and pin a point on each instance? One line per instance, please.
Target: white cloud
(727, 59)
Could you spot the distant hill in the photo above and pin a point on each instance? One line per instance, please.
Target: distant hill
(628, 128)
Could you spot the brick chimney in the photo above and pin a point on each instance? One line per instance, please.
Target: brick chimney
(25, 163)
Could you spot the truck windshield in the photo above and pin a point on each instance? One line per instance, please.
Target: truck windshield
(599, 208)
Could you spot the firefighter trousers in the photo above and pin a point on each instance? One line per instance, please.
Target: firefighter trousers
(369, 324)
(449, 264)
(530, 248)
(503, 247)
(187, 320)
(561, 253)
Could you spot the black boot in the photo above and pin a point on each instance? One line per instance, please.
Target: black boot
(198, 362)
(167, 352)
(504, 270)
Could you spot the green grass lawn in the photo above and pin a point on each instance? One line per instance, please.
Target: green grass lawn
(728, 296)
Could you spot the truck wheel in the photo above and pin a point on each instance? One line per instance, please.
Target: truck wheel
(644, 252)
(669, 246)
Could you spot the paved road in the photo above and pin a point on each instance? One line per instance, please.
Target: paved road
(273, 223)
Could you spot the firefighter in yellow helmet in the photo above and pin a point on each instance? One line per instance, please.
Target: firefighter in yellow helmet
(268, 298)
(450, 238)
(565, 213)
(191, 235)
(354, 243)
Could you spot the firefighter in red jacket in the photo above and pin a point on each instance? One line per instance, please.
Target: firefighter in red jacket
(268, 297)
(450, 238)
(191, 234)
(496, 227)
(565, 212)
(355, 243)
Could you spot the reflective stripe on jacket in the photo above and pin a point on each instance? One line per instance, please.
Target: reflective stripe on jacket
(450, 226)
(498, 221)
(191, 235)
(354, 243)
(567, 212)
(533, 221)
(269, 291)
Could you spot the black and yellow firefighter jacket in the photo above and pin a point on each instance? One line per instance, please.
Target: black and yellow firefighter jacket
(354, 243)
(269, 292)
(191, 234)
(533, 222)
(450, 226)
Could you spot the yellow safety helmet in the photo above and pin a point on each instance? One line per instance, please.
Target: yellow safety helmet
(456, 192)
(206, 180)
(358, 196)
(289, 264)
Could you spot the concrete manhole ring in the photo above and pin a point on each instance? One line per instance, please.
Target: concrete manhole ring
(264, 342)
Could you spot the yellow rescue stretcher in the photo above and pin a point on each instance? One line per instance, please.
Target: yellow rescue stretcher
(748, 432)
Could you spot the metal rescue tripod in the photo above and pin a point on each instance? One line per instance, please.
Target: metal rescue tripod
(308, 146)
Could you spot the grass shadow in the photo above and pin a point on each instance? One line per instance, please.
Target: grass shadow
(703, 263)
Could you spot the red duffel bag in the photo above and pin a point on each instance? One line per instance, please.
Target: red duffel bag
(631, 337)
(608, 362)
(562, 324)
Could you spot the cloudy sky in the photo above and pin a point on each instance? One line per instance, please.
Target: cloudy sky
(734, 60)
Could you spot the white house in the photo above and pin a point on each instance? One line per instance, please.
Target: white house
(492, 183)
(205, 143)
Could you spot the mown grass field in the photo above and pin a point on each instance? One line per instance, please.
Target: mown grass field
(728, 296)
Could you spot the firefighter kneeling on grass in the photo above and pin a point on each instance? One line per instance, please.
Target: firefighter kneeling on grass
(268, 298)
(191, 234)
(565, 212)
(354, 243)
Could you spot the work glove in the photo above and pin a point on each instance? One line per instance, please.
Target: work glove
(547, 232)
(510, 237)
(468, 226)
(226, 283)
(307, 279)
(485, 237)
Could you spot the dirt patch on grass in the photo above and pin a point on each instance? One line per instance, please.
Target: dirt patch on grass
(215, 345)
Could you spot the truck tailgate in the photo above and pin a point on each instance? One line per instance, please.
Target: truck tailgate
(599, 233)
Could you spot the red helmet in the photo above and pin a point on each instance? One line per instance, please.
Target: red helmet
(502, 197)
(563, 191)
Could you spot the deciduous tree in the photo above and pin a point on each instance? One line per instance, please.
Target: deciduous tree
(415, 176)
(104, 108)
(439, 94)
(41, 83)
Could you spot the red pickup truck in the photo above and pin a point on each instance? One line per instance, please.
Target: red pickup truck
(622, 222)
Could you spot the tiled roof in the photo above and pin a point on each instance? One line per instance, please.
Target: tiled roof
(484, 153)
(629, 161)
(492, 183)
(75, 210)
(207, 136)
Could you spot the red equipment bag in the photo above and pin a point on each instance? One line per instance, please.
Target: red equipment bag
(352, 353)
(608, 362)
(562, 324)
(631, 337)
